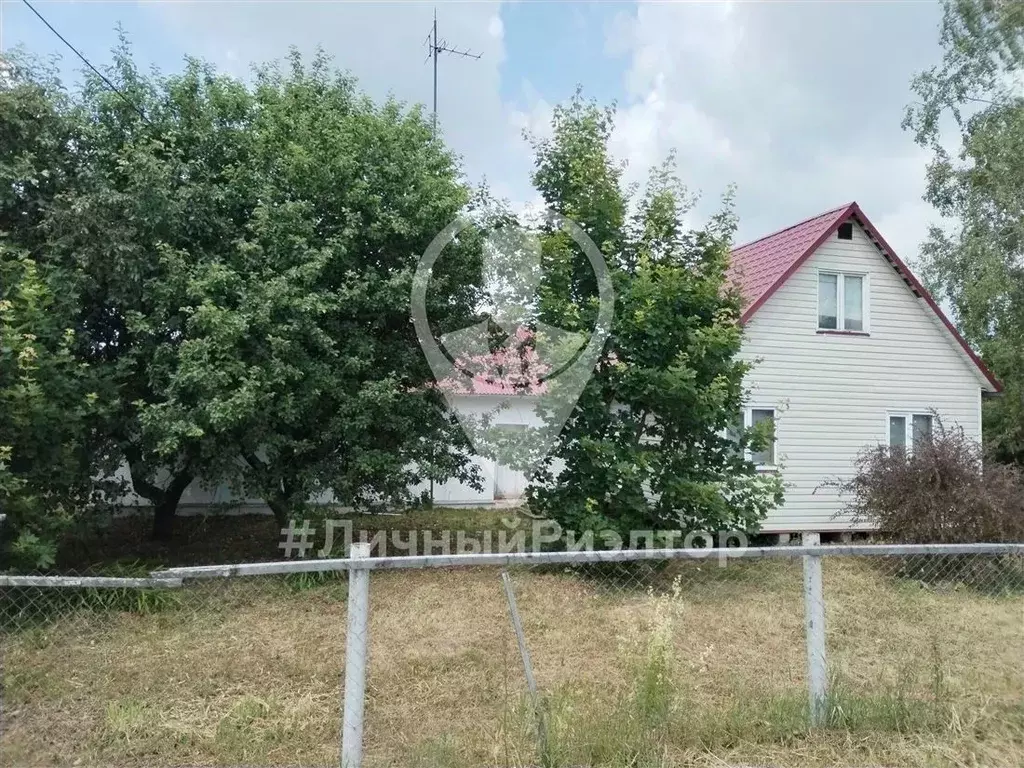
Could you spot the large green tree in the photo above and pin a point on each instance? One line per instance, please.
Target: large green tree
(975, 259)
(159, 197)
(309, 315)
(237, 260)
(649, 444)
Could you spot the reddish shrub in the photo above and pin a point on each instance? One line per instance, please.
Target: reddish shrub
(942, 492)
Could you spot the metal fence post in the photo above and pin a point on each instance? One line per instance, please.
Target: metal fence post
(356, 651)
(814, 613)
(524, 652)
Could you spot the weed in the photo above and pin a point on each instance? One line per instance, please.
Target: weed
(304, 582)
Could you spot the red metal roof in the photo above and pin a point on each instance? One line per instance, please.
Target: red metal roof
(761, 267)
(514, 370)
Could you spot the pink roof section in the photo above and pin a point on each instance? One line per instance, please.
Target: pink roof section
(760, 268)
(483, 385)
(512, 371)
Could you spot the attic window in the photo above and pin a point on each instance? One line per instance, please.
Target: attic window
(846, 231)
(842, 302)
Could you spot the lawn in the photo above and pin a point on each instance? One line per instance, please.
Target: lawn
(691, 665)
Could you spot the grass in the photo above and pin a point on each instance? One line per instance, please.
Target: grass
(688, 665)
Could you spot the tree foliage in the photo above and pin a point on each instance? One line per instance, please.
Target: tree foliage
(52, 445)
(976, 261)
(649, 443)
(233, 262)
(315, 316)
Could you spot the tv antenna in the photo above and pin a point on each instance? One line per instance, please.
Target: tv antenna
(437, 47)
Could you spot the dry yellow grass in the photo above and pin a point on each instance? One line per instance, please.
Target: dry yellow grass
(249, 673)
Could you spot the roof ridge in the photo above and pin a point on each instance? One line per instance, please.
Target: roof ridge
(809, 219)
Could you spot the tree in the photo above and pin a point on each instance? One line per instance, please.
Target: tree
(158, 198)
(649, 444)
(310, 315)
(244, 258)
(977, 262)
(53, 450)
(52, 408)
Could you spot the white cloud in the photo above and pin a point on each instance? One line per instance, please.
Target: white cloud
(799, 104)
(384, 46)
(535, 120)
(495, 28)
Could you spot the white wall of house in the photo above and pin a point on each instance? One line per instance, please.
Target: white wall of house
(833, 393)
(498, 481)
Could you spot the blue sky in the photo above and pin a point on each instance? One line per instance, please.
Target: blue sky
(555, 46)
(797, 103)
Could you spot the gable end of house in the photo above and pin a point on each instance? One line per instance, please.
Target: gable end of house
(763, 266)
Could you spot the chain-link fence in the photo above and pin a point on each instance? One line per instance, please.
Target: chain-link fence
(811, 655)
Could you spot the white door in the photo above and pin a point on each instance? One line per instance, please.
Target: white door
(508, 483)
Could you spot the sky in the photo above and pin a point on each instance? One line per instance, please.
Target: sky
(798, 104)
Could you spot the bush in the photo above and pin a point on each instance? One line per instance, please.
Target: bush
(943, 492)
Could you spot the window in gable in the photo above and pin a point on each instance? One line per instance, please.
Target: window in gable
(845, 231)
(828, 301)
(853, 302)
(842, 302)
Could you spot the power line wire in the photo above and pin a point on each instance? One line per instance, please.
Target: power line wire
(88, 63)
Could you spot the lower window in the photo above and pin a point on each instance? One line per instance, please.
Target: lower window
(908, 429)
(764, 459)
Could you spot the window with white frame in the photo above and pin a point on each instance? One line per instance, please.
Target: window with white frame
(763, 459)
(909, 429)
(766, 457)
(842, 301)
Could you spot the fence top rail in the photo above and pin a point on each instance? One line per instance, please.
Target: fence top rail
(94, 582)
(468, 560)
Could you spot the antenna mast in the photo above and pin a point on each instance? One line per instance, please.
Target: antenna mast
(437, 47)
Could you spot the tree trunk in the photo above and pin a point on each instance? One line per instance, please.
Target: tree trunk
(280, 499)
(279, 506)
(164, 500)
(166, 506)
(163, 521)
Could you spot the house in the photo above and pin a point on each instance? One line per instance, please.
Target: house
(850, 351)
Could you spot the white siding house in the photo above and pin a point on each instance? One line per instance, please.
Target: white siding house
(836, 387)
